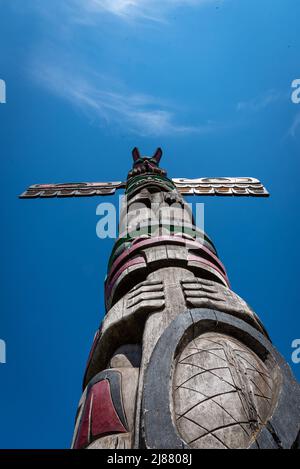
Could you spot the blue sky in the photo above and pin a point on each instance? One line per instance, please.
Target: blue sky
(210, 82)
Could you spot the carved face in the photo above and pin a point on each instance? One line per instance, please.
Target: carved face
(146, 165)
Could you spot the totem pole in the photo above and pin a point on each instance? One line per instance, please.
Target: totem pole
(180, 361)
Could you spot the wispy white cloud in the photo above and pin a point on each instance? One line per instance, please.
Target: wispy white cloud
(91, 11)
(295, 127)
(155, 10)
(104, 100)
(111, 104)
(261, 102)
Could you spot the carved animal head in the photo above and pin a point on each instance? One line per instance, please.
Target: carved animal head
(145, 164)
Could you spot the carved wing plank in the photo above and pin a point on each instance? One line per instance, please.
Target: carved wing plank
(240, 186)
(80, 189)
(202, 186)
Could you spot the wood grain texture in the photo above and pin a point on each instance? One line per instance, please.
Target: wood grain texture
(197, 366)
(222, 391)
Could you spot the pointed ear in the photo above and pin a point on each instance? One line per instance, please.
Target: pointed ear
(157, 155)
(136, 154)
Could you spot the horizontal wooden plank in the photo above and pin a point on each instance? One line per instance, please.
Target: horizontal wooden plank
(81, 189)
(240, 186)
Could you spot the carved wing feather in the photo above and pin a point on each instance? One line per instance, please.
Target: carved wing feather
(80, 189)
(239, 186)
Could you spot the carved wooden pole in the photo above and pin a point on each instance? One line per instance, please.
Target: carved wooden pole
(180, 360)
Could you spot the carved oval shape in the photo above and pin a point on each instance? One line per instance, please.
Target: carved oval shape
(222, 391)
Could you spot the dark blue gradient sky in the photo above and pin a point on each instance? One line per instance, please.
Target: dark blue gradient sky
(210, 82)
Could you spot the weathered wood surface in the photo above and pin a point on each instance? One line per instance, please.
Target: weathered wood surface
(194, 363)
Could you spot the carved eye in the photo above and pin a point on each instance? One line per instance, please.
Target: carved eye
(152, 160)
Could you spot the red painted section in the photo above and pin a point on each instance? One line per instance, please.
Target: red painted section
(83, 436)
(99, 416)
(136, 261)
(200, 260)
(122, 262)
(104, 416)
(146, 243)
